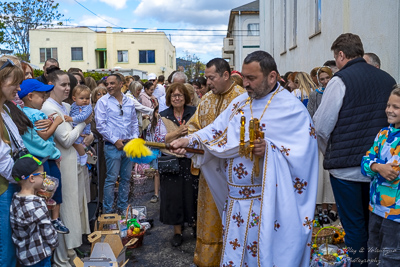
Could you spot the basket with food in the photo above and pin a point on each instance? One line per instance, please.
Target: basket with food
(328, 255)
(322, 234)
(134, 230)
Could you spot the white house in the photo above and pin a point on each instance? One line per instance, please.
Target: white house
(243, 35)
(299, 34)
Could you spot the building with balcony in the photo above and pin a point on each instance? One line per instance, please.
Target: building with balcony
(87, 49)
(243, 35)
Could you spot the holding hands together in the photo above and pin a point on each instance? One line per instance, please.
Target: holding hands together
(387, 171)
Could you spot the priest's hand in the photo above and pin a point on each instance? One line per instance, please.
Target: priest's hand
(259, 148)
(178, 146)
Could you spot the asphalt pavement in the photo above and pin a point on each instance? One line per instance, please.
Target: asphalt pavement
(156, 249)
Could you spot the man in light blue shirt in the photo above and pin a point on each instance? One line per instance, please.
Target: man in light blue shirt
(116, 121)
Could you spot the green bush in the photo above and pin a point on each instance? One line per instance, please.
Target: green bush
(37, 73)
(96, 76)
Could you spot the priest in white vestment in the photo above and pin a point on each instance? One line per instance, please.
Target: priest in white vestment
(266, 214)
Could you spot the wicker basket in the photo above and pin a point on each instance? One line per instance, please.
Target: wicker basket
(139, 236)
(321, 235)
(138, 243)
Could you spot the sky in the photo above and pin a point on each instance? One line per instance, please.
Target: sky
(188, 17)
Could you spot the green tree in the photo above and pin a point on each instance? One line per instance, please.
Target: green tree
(2, 28)
(20, 17)
(199, 68)
(194, 68)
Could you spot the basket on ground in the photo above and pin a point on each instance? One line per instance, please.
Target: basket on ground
(321, 235)
(327, 255)
(139, 236)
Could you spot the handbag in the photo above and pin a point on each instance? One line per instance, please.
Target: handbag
(168, 164)
(21, 151)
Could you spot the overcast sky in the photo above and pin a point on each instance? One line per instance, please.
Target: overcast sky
(161, 14)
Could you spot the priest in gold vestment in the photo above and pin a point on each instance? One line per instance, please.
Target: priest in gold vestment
(209, 225)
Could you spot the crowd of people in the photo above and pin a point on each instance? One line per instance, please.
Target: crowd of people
(277, 152)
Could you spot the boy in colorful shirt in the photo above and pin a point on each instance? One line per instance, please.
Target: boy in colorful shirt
(382, 164)
(32, 232)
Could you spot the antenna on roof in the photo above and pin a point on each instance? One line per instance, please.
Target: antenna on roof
(67, 20)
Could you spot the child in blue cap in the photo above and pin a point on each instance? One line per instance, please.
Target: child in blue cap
(40, 142)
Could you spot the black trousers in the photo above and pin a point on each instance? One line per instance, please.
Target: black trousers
(383, 242)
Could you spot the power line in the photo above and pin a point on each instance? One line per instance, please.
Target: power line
(60, 30)
(158, 31)
(144, 29)
(94, 13)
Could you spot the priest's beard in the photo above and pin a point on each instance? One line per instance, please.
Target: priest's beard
(260, 91)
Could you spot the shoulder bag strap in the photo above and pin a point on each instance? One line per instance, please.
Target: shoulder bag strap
(3, 181)
(12, 136)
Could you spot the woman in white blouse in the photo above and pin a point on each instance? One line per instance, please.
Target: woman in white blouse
(11, 77)
(74, 212)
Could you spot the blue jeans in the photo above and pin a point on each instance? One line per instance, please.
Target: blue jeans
(352, 200)
(46, 262)
(7, 248)
(51, 168)
(117, 163)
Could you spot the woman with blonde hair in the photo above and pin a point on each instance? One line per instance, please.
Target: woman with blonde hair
(194, 99)
(98, 93)
(305, 86)
(11, 76)
(134, 90)
(324, 74)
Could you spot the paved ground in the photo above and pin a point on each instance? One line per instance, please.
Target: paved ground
(156, 249)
